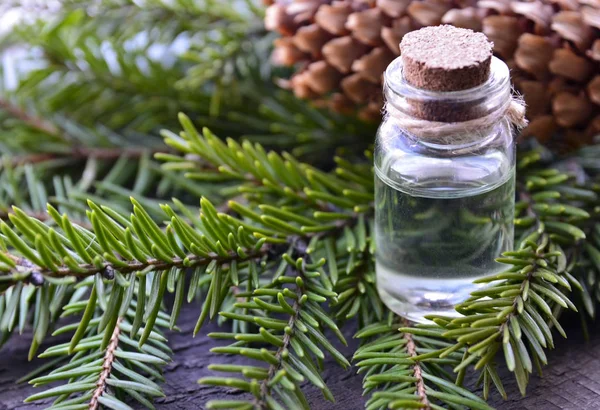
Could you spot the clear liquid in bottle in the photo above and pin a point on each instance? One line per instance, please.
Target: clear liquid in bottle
(435, 237)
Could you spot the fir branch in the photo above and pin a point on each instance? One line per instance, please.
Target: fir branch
(120, 245)
(270, 174)
(297, 339)
(23, 267)
(41, 259)
(40, 254)
(319, 204)
(411, 349)
(107, 365)
(398, 377)
(79, 92)
(283, 349)
(229, 89)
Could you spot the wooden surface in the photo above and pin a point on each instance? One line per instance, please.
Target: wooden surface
(570, 381)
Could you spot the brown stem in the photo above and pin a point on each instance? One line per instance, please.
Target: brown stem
(274, 368)
(78, 153)
(411, 348)
(31, 120)
(25, 270)
(109, 358)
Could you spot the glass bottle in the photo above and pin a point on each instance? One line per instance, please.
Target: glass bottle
(444, 206)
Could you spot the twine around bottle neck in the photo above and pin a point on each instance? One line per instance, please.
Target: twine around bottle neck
(451, 133)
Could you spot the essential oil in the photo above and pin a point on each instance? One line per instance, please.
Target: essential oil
(433, 241)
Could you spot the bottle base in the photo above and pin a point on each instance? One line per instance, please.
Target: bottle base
(415, 311)
(414, 298)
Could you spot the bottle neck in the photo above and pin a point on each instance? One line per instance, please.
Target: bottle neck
(455, 118)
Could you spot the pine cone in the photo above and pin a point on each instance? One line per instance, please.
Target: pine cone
(551, 46)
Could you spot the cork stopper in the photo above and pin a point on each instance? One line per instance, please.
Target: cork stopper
(445, 58)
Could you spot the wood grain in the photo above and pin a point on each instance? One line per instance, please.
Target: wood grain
(570, 381)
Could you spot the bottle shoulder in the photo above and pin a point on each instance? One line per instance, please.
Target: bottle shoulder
(390, 136)
(404, 160)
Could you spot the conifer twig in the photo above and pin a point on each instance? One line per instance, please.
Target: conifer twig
(274, 368)
(107, 364)
(411, 349)
(23, 265)
(300, 249)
